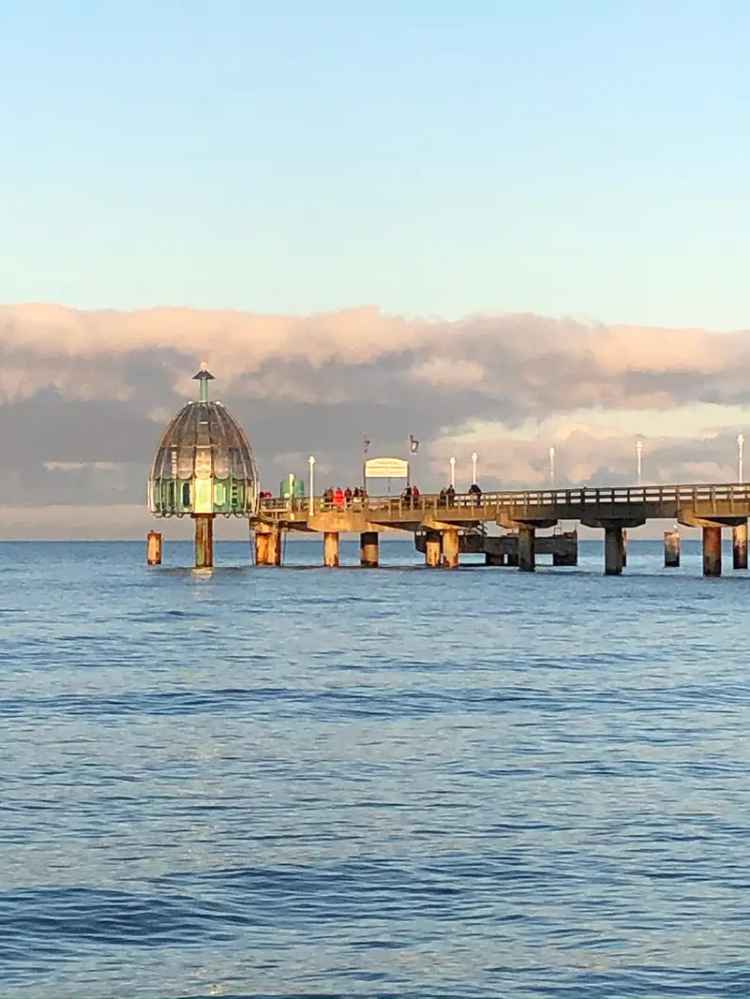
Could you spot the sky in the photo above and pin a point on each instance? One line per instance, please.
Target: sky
(503, 230)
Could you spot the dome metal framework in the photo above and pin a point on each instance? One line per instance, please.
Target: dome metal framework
(204, 464)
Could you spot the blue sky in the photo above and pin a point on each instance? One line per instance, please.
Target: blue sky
(580, 159)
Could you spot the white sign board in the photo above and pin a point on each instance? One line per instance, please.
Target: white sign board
(386, 468)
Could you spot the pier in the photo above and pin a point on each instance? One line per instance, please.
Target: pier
(204, 467)
(442, 531)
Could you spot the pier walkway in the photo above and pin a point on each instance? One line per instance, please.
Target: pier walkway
(614, 510)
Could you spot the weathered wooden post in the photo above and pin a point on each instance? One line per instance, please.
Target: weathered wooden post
(671, 549)
(153, 548)
(712, 550)
(624, 547)
(739, 546)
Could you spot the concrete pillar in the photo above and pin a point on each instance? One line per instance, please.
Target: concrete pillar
(261, 547)
(274, 546)
(739, 546)
(450, 549)
(494, 558)
(331, 549)
(614, 551)
(624, 547)
(368, 549)
(565, 551)
(204, 540)
(526, 548)
(432, 549)
(671, 549)
(712, 550)
(153, 548)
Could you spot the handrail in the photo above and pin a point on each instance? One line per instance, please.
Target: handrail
(526, 499)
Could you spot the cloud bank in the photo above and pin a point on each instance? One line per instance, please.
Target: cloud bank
(84, 395)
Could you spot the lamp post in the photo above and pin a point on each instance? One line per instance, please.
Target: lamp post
(365, 448)
(311, 463)
(474, 457)
(453, 472)
(639, 459)
(740, 450)
(552, 468)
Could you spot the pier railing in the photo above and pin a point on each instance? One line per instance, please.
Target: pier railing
(549, 500)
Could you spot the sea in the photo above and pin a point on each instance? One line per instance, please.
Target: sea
(397, 782)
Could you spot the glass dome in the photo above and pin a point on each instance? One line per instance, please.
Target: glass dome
(204, 463)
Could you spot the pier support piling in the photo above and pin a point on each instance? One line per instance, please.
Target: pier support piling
(153, 548)
(739, 546)
(432, 549)
(261, 547)
(331, 549)
(204, 540)
(268, 546)
(368, 550)
(712, 550)
(614, 550)
(624, 548)
(671, 549)
(494, 558)
(274, 547)
(526, 548)
(450, 549)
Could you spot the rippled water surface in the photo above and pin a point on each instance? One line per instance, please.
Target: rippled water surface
(398, 782)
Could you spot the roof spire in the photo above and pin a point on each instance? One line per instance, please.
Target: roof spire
(204, 376)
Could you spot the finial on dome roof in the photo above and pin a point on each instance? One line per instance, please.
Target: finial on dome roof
(204, 376)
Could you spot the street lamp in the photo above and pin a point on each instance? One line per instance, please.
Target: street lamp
(740, 449)
(453, 472)
(365, 448)
(552, 467)
(639, 459)
(474, 457)
(311, 463)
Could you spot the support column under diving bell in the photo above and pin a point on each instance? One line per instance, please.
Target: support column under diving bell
(204, 540)
(153, 548)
